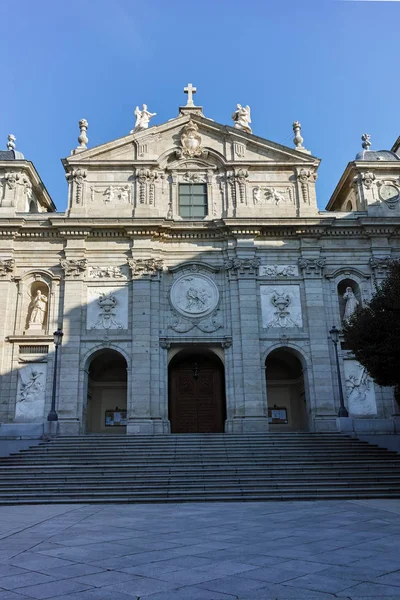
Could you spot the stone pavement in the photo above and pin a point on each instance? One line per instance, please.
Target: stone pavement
(210, 551)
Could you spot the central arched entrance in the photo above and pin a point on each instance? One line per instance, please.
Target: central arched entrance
(286, 398)
(106, 393)
(196, 392)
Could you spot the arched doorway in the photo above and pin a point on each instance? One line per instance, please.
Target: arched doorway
(196, 393)
(106, 393)
(286, 399)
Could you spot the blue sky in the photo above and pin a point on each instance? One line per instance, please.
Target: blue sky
(332, 65)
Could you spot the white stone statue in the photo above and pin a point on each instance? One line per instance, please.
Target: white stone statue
(38, 308)
(142, 118)
(241, 116)
(351, 303)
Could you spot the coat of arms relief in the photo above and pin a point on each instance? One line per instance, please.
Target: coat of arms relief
(194, 299)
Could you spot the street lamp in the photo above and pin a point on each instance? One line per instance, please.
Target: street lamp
(57, 337)
(334, 333)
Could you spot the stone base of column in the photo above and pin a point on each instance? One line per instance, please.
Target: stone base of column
(321, 424)
(147, 426)
(247, 425)
(51, 429)
(69, 427)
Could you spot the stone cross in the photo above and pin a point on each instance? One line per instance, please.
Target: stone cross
(190, 90)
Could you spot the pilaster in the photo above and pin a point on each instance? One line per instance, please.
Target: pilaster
(249, 411)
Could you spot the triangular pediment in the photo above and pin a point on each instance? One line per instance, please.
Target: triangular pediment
(158, 145)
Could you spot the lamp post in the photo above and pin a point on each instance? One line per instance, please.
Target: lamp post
(334, 333)
(57, 336)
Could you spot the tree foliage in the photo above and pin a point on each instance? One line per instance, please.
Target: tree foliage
(373, 331)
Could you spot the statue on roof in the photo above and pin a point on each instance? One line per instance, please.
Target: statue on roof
(142, 118)
(241, 117)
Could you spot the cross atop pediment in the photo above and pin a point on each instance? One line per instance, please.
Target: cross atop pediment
(190, 90)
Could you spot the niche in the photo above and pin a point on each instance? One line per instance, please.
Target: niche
(36, 318)
(349, 297)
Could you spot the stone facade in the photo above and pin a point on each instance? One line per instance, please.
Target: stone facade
(263, 272)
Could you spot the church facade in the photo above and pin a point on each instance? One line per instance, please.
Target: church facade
(195, 282)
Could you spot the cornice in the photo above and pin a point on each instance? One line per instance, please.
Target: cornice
(128, 228)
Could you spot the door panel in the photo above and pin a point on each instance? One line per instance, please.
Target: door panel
(196, 405)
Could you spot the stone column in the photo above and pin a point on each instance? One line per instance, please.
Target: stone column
(322, 396)
(248, 412)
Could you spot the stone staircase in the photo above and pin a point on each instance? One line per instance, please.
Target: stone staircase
(199, 467)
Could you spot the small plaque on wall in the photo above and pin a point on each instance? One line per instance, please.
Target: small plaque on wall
(277, 416)
(115, 418)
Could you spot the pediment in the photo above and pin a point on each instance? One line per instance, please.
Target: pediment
(221, 144)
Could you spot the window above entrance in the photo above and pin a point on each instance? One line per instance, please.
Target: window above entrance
(193, 200)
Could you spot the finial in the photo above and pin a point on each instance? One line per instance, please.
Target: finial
(366, 143)
(298, 139)
(11, 141)
(83, 139)
(190, 90)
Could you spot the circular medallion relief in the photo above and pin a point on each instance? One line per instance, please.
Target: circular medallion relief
(389, 193)
(194, 295)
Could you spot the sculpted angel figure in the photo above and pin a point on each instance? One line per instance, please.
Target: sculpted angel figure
(142, 118)
(38, 306)
(241, 116)
(351, 303)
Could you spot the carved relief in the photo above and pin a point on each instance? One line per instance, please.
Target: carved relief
(195, 295)
(239, 149)
(146, 179)
(141, 267)
(107, 314)
(237, 266)
(389, 192)
(305, 177)
(366, 178)
(380, 265)
(281, 306)
(73, 268)
(11, 179)
(267, 195)
(191, 142)
(278, 271)
(77, 176)
(107, 307)
(194, 300)
(6, 266)
(106, 273)
(312, 267)
(195, 177)
(112, 194)
(206, 325)
(143, 149)
(361, 400)
(31, 393)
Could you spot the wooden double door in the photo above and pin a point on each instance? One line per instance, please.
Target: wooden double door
(196, 394)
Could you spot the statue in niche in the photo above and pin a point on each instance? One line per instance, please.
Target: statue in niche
(142, 118)
(351, 303)
(241, 117)
(38, 307)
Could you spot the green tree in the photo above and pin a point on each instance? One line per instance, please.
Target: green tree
(373, 332)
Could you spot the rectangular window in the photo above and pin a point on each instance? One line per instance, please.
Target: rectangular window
(193, 200)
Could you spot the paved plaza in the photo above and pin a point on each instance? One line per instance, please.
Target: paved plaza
(213, 551)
